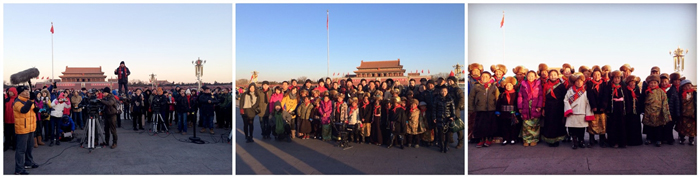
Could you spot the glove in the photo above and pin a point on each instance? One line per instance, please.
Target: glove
(241, 111)
(498, 113)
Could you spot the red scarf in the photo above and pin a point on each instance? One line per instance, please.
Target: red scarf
(376, 108)
(353, 108)
(677, 89)
(364, 105)
(686, 92)
(487, 85)
(550, 85)
(577, 90)
(188, 100)
(631, 89)
(649, 90)
(397, 106)
(606, 80)
(507, 93)
(665, 88)
(413, 109)
(596, 85)
(337, 106)
(532, 87)
(615, 87)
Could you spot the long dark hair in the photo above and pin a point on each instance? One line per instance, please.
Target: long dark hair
(248, 91)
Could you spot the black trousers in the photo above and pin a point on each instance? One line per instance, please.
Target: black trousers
(316, 127)
(412, 139)
(668, 129)
(248, 117)
(577, 132)
(125, 85)
(655, 133)
(10, 137)
(264, 125)
(110, 128)
(441, 135)
(136, 120)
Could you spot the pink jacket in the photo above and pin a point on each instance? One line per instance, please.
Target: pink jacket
(530, 94)
(325, 110)
(274, 98)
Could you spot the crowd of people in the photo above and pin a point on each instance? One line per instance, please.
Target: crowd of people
(370, 112)
(557, 105)
(49, 116)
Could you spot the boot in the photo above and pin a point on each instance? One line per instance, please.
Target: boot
(691, 141)
(401, 142)
(582, 143)
(294, 133)
(39, 140)
(592, 141)
(202, 131)
(35, 143)
(603, 141)
(391, 142)
(681, 139)
(574, 144)
(51, 143)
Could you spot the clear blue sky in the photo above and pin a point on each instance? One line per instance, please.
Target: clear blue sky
(150, 38)
(584, 34)
(284, 41)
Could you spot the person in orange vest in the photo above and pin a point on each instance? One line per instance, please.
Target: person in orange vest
(25, 125)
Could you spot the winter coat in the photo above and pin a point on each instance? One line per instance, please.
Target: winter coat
(326, 111)
(226, 101)
(205, 107)
(9, 103)
(194, 101)
(137, 104)
(75, 101)
(264, 101)
(304, 110)
(577, 111)
(428, 96)
(413, 122)
(68, 124)
(58, 108)
(366, 113)
(397, 116)
(458, 95)
(290, 104)
(122, 74)
(481, 98)
(182, 104)
(24, 116)
(444, 108)
(674, 101)
(529, 99)
(274, 98)
(599, 99)
(340, 112)
(656, 112)
(110, 105)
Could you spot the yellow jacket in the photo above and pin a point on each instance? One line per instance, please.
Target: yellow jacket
(290, 104)
(24, 122)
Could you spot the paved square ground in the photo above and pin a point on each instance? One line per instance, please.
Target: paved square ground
(318, 157)
(137, 153)
(542, 159)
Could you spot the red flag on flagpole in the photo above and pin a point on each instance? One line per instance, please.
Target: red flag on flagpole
(462, 71)
(503, 19)
(326, 19)
(51, 27)
(428, 71)
(421, 71)
(41, 78)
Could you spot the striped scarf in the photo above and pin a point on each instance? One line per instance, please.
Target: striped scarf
(578, 92)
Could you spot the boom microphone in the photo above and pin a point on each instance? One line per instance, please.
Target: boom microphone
(24, 76)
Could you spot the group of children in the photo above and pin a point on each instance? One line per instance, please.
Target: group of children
(559, 105)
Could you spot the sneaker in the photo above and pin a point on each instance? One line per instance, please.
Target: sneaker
(480, 144)
(202, 131)
(512, 142)
(31, 167)
(113, 146)
(211, 131)
(184, 133)
(416, 146)
(505, 142)
(58, 142)
(488, 143)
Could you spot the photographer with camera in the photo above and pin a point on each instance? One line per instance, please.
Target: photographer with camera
(159, 106)
(206, 109)
(66, 129)
(109, 114)
(137, 106)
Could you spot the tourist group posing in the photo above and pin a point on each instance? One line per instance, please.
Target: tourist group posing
(556, 105)
(371, 112)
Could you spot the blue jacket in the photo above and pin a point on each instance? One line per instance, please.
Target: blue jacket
(674, 101)
(66, 125)
(206, 108)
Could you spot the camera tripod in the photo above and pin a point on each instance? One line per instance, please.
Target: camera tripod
(94, 134)
(158, 117)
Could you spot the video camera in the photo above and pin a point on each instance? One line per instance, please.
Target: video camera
(94, 106)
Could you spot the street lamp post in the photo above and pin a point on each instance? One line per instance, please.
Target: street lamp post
(678, 59)
(198, 72)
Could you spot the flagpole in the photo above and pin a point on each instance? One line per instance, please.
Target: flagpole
(504, 38)
(328, 46)
(52, 79)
